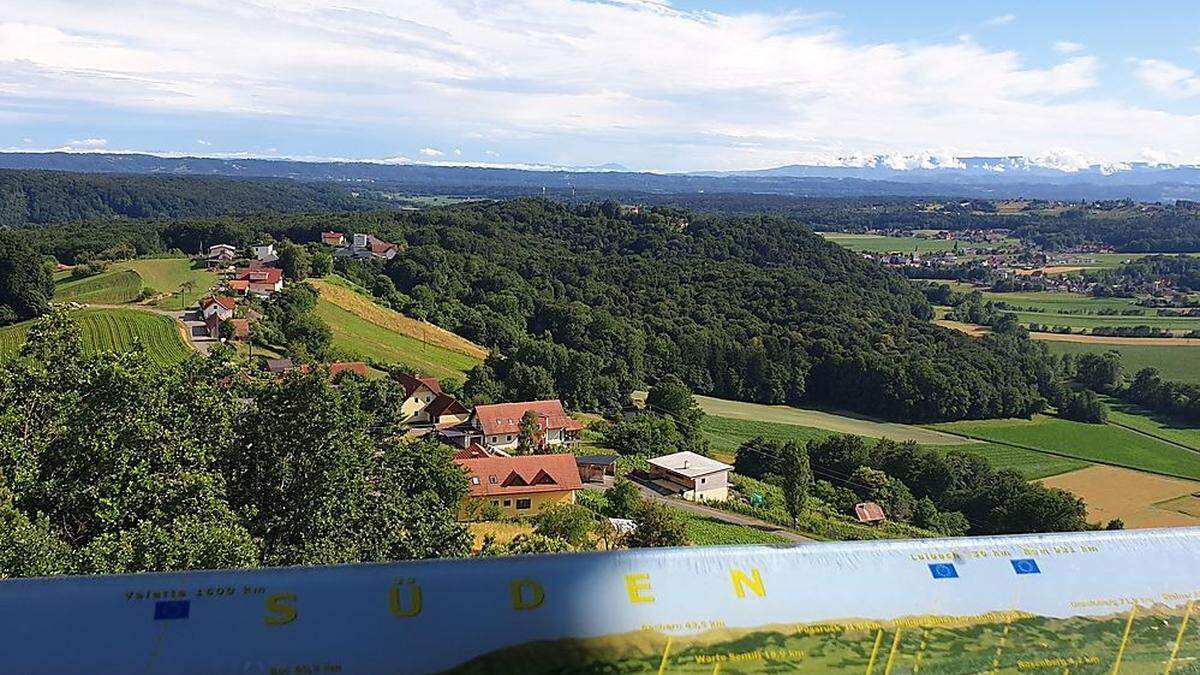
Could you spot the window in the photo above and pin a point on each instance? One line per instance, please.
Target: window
(702, 480)
(475, 480)
(522, 504)
(496, 502)
(508, 502)
(507, 438)
(491, 479)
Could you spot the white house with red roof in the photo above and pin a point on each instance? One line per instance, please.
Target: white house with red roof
(498, 425)
(264, 281)
(221, 306)
(518, 486)
(333, 239)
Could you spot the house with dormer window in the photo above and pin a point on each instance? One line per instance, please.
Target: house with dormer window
(518, 486)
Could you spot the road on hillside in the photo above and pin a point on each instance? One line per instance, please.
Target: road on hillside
(715, 514)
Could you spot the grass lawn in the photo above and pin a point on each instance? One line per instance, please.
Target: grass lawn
(1029, 463)
(1133, 417)
(704, 531)
(1103, 443)
(1180, 363)
(114, 330)
(827, 421)
(166, 275)
(114, 287)
(361, 338)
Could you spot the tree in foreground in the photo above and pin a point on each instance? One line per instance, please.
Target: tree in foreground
(570, 522)
(530, 435)
(26, 286)
(795, 478)
(657, 525)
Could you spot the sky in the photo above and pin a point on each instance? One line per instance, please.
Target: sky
(659, 85)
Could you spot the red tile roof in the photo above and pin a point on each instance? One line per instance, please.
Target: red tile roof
(357, 367)
(445, 405)
(239, 285)
(265, 275)
(412, 383)
(475, 452)
(521, 475)
(241, 328)
(869, 512)
(222, 300)
(505, 418)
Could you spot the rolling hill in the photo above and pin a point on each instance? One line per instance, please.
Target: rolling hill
(367, 330)
(124, 281)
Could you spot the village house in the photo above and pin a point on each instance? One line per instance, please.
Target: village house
(265, 253)
(498, 425)
(333, 239)
(220, 306)
(425, 403)
(368, 246)
(518, 486)
(222, 253)
(692, 476)
(262, 282)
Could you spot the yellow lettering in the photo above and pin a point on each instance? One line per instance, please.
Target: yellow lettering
(635, 584)
(414, 600)
(517, 589)
(741, 582)
(280, 605)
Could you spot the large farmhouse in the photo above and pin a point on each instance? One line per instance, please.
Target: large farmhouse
(498, 425)
(518, 486)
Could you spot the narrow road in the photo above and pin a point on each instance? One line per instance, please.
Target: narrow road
(716, 514)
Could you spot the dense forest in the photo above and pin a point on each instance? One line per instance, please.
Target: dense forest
(588, 302)
(56, 197)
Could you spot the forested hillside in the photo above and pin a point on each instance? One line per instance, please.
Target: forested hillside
(58, 197)
(587, 302)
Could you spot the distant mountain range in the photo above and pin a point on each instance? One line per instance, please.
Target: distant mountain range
(1053, 177)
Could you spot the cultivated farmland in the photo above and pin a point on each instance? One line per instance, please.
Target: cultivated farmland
(1101, 443)
(1139, 499)
(114, 287)
(114, 330)
(1180, 363)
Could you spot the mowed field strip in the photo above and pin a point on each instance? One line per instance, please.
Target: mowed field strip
(829, 421)
(1099, 443)
(367, 330)
(114, 330)
(1139, 499)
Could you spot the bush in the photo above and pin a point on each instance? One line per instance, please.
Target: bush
(657, 525)
(571, 523)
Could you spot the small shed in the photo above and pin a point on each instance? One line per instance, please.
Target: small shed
(869, 513)
(593, 468)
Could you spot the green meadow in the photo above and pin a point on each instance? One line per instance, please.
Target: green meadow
(1180, 363)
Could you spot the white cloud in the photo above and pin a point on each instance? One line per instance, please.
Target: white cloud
(27, 140)
(1067, 47)
(87, 144)
(1001, 20)
(570, 81)
(458, 152)
(201, 141)
(491, 153)
(1167, 78)
(431, 152)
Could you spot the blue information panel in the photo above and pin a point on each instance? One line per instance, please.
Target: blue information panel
(1102, 602)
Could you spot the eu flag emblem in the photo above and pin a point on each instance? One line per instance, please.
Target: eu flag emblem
(1025, 566)
(943, 571)
(172, 609)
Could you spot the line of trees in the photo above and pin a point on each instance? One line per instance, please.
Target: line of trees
(951, 493)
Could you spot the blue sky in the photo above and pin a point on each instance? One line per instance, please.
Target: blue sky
(681, 85)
